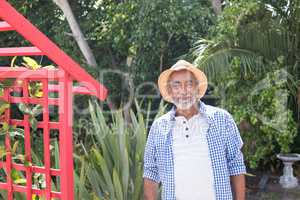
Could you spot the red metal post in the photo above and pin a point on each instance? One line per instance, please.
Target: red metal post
(8, 163)
(68, 70)
(44, 76)
(27, 139)
(46, 136)
(42, 42)
(66, 138)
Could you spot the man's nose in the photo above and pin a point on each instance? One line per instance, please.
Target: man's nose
(183, 89)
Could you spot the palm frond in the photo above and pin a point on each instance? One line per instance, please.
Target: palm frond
(270, 43)
(219, 62)
(256, 43)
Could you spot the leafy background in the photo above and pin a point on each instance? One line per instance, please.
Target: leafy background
(250, 53)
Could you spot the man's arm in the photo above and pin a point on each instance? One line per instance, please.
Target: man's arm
(239, 186)
(150, 189)
(151, 175)
(235, 160)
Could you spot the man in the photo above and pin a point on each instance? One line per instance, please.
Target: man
(194, 150)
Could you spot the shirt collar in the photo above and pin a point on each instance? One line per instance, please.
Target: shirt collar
(202, 110)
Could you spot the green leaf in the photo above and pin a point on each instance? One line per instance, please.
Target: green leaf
(2, 152)
(20, 181)
(31, 63)
(37, 110)
(14, 174)
(121, 148)
(27, 163)
(15, 146)
(19, 157)
(117, 185)
(5, 127)
(24, 109)
(8, 82)
(33, 122)
(16, 132)
(105, 171)
(36, 89)
(3, 106)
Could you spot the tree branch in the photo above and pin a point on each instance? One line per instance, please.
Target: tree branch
(217, 6)
(77, 33)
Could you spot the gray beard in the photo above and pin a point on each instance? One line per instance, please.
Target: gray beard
(185, 104)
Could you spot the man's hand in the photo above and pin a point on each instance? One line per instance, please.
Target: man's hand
(238, 186)
(150, 189)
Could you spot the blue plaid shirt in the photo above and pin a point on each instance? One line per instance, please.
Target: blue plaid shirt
(224, 143)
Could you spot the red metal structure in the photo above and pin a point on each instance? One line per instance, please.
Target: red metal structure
(58, 81)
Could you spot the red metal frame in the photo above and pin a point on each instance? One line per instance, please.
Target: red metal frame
(42, 45)
(67, 72)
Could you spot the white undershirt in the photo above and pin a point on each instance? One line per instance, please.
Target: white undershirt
(192, 164)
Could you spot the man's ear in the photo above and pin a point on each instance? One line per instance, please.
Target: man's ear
(198, 94)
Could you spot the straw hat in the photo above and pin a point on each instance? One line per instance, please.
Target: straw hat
(181, 65)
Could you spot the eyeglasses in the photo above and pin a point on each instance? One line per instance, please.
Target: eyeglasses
(176, 85)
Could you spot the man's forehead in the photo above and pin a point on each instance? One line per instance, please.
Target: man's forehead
(181, 75)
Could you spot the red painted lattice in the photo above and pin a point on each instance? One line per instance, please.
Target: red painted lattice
(59, 81)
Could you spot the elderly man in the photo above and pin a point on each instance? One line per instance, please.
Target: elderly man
(194, 150)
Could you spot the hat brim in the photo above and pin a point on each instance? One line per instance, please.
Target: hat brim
(164, 77)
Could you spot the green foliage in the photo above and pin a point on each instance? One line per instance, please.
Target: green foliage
(112, 166)
(38, 179)
(140, 38)
(250, 31)
(233, 15)
(32, 112)
(215, 59)
(16, 134)
(254, 72)
(165, 31)
(136, 37)
(260, 105)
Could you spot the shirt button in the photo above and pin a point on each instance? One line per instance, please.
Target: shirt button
(186, 136)
(184, 122)
(186, 128)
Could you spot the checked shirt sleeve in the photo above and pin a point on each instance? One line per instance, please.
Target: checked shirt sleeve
(150, 164)
(234, 144)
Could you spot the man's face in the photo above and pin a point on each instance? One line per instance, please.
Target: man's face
(183, 88)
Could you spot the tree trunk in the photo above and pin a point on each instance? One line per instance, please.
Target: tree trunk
(77, 33)
(217, 6)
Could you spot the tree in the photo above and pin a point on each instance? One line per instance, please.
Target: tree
(142, 38)
(251, 44)
(255, 32)
(136, 38)
(77, 33)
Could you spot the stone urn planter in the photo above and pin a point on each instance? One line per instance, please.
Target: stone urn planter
(288, 180)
